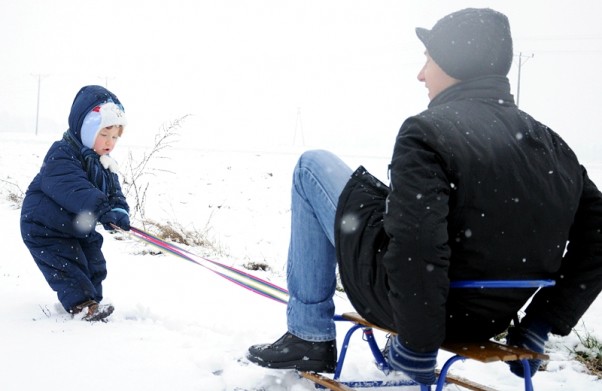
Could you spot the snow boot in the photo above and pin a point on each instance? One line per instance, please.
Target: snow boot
(92, 311)
(291, 352)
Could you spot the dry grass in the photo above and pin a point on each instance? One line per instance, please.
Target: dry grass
(257, 266)
(175, 232)
(589, 353)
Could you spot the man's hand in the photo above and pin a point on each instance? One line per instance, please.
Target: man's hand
(529, 334)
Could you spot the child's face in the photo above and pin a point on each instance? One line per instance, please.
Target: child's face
(106, 140)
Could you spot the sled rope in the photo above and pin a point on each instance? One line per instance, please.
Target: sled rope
(276, 293)
(245, 280)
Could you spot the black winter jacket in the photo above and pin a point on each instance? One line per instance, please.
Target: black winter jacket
(479, 190)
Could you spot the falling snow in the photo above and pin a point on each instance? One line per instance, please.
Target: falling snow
(176, 326)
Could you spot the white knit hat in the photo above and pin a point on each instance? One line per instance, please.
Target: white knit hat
(107, 114)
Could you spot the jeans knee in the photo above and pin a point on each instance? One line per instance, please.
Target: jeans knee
(312, 158)
(316, 161)
(310, 162)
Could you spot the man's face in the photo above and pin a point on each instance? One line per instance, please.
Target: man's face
(434, 78)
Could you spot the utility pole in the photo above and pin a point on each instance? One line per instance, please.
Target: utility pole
(39, 76)
(106, 79)
(520, 65)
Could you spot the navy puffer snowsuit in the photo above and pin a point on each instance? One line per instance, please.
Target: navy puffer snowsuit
(62, 206)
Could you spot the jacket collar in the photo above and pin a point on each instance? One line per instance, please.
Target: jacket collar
(494, 88)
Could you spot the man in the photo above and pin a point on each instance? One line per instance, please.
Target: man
(479, 190)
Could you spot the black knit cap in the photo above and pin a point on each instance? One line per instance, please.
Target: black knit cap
(470, 43)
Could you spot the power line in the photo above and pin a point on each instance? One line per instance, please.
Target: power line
(569, 51)
(561, 38)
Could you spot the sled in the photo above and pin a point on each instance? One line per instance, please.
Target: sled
(485, 352)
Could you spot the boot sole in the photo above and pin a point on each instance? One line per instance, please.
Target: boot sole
(299, 365)
(101, 315)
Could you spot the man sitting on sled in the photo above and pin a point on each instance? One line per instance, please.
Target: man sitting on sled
(478, 190)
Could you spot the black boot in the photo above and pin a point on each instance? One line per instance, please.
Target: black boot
(291, 352)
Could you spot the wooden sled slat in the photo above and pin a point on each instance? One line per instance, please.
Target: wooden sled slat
(463, 382)
(325, 381)
(490, 351)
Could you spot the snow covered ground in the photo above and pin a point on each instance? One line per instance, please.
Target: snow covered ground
(176, 325)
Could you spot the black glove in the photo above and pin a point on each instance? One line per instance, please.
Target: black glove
(529, 334)
(116, 216)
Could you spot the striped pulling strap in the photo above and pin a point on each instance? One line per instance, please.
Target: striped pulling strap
(245, 280)
(274, 292)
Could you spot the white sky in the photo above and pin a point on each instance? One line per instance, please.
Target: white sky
(246, 69)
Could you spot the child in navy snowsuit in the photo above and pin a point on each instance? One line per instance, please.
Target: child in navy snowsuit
(77, 187)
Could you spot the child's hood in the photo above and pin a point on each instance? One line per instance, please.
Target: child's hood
(86, 99)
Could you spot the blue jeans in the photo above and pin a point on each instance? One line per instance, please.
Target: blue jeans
(318, 180)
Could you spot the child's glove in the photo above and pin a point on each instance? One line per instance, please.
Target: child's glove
(116, 216)
(529, 334)
(420, 367)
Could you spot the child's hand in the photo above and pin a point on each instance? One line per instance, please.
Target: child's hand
(115, 216)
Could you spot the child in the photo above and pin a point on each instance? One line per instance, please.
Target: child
(76, 187)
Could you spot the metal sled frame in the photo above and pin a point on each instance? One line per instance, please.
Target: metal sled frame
(382, 364)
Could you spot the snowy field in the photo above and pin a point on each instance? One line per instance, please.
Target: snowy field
(176, 325)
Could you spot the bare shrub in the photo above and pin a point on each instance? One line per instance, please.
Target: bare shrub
(136, 182)
(135, 177)
(13, 193)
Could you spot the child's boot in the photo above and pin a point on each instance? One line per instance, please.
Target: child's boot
(93, 311)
